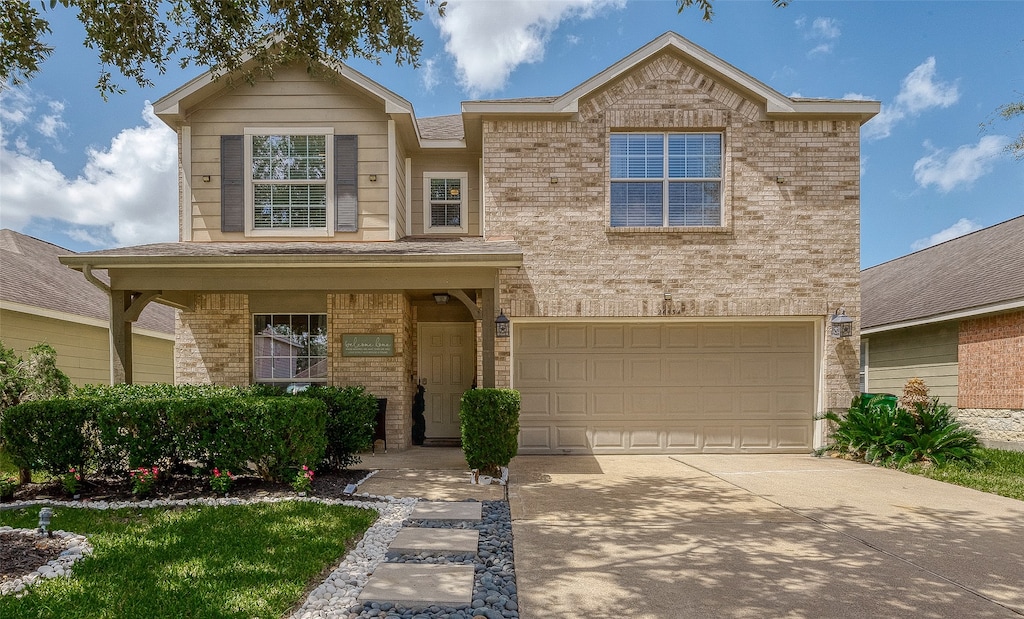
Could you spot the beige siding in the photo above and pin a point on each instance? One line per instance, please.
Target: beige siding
(83, 350)
(927, 352)
(292, 99)
(446, 163)
(400, 181)
(789, 247)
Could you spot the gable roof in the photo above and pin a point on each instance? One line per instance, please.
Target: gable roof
(31, 276)
(978, 273)
(775, 102)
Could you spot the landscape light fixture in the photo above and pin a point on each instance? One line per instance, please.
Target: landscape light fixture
(45, 514)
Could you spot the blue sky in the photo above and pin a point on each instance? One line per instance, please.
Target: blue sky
(87, 174)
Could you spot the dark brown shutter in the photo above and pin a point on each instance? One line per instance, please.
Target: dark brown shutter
(232, 184)
(346, 198)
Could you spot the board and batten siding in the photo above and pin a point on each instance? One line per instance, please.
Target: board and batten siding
(83, 349)
(428, 162)
(291, 99)
(927, 352)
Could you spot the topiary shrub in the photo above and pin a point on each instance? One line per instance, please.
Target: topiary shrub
(490, 428)
(351, 413)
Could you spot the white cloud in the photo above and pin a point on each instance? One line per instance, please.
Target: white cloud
(947, 171)
(126, 194)
(825, 30)
(960, 228)
(490, 39)
(428, 75)
(53, 123)
(919, 91)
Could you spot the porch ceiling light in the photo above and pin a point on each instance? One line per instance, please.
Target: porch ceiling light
(441, 298)
(501, 325)
(840, 324)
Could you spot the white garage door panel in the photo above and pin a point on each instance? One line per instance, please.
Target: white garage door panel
(622, 387)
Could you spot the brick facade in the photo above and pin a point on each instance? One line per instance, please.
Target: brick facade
(991, 369)
(789, 246)
(213, 343)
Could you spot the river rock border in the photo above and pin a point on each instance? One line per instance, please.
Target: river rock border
(75, 547)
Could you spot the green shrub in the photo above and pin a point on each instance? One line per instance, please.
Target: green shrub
(882, 433)
(490, 428)
(49, 435)
(351, 413)
(285, 433)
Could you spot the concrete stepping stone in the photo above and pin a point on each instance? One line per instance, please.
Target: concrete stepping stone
(438, 510)
(416, 540)
(416, 585)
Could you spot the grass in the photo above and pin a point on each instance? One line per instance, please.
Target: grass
(232, 561)
(1001, 472)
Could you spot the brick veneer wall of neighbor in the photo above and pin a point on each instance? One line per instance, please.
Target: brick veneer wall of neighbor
(788, 248)
(991, 367)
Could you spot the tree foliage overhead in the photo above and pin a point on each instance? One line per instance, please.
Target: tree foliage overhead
(709, 10)
(1009, 112)
(137, 37)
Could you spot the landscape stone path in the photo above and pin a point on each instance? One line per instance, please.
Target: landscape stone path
(417, 585)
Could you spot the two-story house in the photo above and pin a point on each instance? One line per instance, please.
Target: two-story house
(667, 241)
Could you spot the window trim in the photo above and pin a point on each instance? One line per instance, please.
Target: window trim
(250, 215)
(258, 380)
(463, 227)
(725, 215)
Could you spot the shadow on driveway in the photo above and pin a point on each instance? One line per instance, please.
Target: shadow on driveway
(758, 536)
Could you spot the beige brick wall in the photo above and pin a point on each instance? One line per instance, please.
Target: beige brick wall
(788, 248)
(384, 377)
(213, 343)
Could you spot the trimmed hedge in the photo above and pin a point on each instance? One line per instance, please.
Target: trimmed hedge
(117, 429)
(351, 413)
(490, 428)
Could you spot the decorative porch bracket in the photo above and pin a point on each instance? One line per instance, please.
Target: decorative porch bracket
(485, 316)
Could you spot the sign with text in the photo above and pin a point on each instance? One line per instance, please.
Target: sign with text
(368, 345)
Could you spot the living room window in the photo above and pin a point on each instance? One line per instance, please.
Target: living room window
(445, 202)
(666, 179)
(289, 348)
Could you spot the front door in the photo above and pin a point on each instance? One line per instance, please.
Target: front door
(447, 365)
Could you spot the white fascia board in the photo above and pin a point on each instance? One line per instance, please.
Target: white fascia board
(1006, 306)
(442, 144)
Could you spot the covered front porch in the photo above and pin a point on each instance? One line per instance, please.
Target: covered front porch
(388, 316)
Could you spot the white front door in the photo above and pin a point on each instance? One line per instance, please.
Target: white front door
(447, 366)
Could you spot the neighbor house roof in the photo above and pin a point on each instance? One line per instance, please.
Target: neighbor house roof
(978, 273)
(32, 280)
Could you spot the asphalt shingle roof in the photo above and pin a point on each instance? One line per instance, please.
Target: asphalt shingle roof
(972, 271)
(30, 274)
(448, 127)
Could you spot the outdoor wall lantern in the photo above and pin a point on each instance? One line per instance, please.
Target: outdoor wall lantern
(501, 324)
(44, 521)
(441, 298)
(841, 324)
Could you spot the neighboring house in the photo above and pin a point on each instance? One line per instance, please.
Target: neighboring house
(43, 301)
(953, 315)
(668, 240)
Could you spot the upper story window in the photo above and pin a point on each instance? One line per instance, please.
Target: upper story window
(445, 203)
(663, 180)
(290, 177)
(289, 182)
(289, 348)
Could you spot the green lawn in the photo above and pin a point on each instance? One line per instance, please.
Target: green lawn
(1001, 473)
(232, 561)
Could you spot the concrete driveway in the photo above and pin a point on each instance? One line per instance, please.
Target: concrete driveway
(757, 536)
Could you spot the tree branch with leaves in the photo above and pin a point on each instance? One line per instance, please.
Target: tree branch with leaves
(139, 37)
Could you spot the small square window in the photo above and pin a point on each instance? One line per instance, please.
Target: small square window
(445, 203)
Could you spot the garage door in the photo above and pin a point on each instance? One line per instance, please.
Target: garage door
(665, 387)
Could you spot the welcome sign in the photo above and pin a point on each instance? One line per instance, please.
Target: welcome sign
(368, 345)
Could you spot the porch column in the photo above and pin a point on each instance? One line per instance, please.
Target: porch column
(487, 334)
(120, 337)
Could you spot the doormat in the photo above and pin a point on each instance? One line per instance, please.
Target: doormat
(442, 442)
